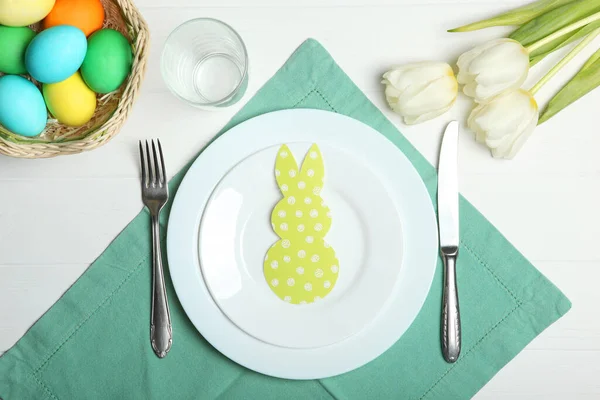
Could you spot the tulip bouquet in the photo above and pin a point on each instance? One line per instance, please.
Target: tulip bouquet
(505, 114)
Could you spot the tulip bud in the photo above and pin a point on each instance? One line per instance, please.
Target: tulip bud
(492, 68)
(505, 123)
(420, 91)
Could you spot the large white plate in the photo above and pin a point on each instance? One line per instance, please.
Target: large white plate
(366, 234)
(413, 279)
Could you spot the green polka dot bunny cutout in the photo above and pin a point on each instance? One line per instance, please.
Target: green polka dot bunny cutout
(301, 267)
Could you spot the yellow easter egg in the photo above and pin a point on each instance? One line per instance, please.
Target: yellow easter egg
(24, 12)
(71, 102)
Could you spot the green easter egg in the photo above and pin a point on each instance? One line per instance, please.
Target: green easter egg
(107, 62)
(13, 43)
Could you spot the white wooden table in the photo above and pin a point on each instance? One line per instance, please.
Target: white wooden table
(58, 215)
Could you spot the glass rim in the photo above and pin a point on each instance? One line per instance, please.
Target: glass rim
(244, 72)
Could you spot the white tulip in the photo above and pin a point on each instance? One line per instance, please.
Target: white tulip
(505, 123)
(420, 91)
(492, 68)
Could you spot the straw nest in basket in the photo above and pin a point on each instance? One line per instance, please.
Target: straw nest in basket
(112, 109)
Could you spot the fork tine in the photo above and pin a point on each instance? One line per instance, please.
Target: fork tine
(162, 162)
(144, 167)
(156, 165)
(152, 181)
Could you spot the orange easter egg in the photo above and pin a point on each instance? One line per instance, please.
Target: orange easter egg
(87, 15)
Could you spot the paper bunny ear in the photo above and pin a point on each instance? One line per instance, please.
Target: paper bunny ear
(286, 169)
(313, 170)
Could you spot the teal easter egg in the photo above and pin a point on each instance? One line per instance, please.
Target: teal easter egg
(55, 54)
(13, 43)
(22, 107)
(107, 62)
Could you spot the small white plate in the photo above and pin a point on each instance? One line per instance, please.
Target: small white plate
(366, 234)
(420, 251)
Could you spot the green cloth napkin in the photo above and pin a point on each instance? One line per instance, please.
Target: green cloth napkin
(93, 343)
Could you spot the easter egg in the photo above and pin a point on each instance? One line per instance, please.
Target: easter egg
(107, 62)
(22, 108)
(71, 102)
(13, 43)
(87, 15)
(55, 54)
(23, 12)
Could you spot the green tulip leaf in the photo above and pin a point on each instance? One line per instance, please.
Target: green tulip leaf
(539, 54)
(586, 80)
(592, 61)
(550, 22)
(517, 16)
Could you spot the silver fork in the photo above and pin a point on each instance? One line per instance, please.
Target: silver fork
(155, 194)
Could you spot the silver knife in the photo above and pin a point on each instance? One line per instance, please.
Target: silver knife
(447, 200)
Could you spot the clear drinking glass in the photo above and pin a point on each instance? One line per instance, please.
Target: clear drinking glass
(205, 63)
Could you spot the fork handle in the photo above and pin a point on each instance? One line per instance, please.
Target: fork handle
(161, 334)
(451, 332)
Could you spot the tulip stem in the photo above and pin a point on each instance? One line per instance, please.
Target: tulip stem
(564, 61)
(569, 28)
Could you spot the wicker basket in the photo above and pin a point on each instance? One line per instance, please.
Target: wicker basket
(113, 108)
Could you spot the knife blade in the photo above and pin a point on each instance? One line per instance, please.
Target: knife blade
(448, 221)
(448, 187)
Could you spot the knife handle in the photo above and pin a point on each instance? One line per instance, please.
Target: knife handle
(450, 311)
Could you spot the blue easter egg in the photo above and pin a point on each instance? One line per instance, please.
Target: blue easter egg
(56, 53)
(22, 107)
